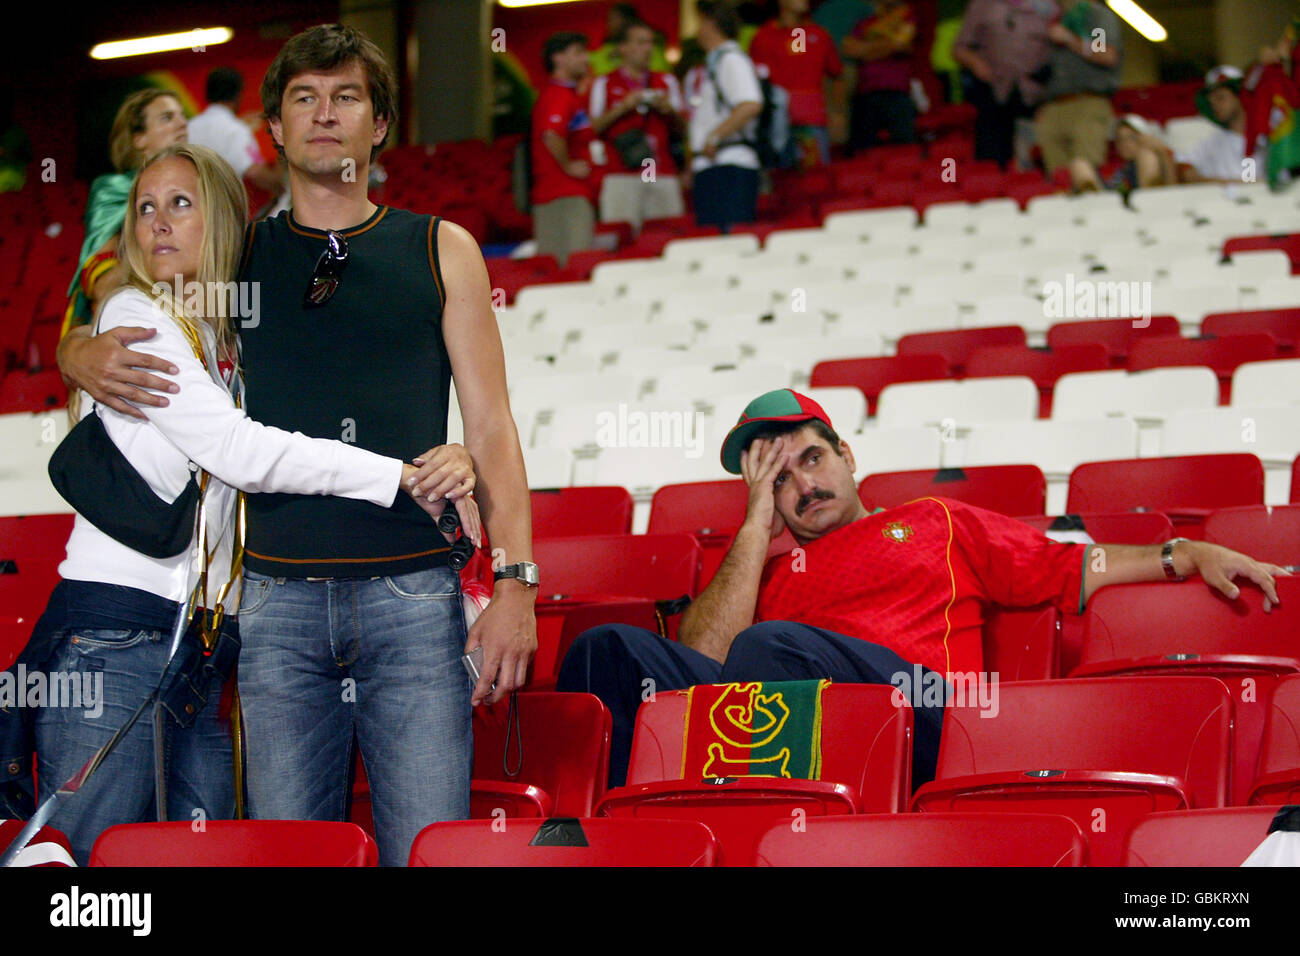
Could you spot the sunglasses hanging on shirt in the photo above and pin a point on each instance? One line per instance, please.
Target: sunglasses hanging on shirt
(327, 275)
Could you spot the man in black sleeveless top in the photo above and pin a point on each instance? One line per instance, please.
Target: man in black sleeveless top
(351, 618)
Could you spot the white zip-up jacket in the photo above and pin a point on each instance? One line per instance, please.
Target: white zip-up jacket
(202, 424)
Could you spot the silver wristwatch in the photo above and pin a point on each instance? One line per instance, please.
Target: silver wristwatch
(1167, 559)
(525, 572)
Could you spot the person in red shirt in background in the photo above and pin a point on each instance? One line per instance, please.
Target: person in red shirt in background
(563, 218)
(882, 43)
(799, 56)
(866, 597)
(636, 111)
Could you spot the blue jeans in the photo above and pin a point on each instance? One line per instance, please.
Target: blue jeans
(378, 657)
(198, 760)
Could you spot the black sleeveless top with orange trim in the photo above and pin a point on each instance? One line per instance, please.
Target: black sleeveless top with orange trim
(368, 367)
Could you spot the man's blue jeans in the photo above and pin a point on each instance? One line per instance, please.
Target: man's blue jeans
(129, 662)
(380, 657)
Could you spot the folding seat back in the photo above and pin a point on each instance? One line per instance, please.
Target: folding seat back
(871, 375)
(1221, 354)
(1102, 752)
(927, 839)
(1044, 366)
(1282, 324)
(963, 403)
(658, 566)
(235, 843)
(1022, 643)
(560, 747)
(1265, 532)
(1278, 779)
(1117, 335)
(566, 842)
(1212, 837)
(568, 512)
(957, 345)
(866, 767)
(1162, 628)
(1267, 383)
(1008, 489)
(1185, 487)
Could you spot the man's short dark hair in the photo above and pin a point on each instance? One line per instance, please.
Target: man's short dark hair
(558, 43)
(723, 15)
(324, 48)
(621, 36)
(225, 84)
(776, 429)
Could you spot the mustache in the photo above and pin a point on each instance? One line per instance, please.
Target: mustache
(818, 494)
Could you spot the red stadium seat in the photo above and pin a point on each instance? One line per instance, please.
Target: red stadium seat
(23, 391)
(1117, 335)
(657, 566)
(1288, 243)
(637, 612)
(568, 512)
(1278, 778)
(956, 345)
(1186, 488)
(1022, 643)
(866, 768)
(1282, 324)
(1221, 354)
(1044, 366)
(713, 512)
(1007, 489)
(235, 843)
(1199, 632)
(1295, 481)
(566, 842)
(871, 375)
(1265, 532)
(1137, 527)
(562, 749)
(1103, 752)
(927, 839)
(1214, 837)
(55, 840)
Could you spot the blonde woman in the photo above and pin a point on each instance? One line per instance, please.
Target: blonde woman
(112, 613)
(146, 122)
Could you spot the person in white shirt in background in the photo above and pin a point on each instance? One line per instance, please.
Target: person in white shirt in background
(1221, 156)
(220, 128)
(185, 223)
(725, 99)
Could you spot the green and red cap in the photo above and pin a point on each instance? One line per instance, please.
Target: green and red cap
(781, 405)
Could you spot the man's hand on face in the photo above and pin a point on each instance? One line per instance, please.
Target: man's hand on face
(761, 464)
(113, 374)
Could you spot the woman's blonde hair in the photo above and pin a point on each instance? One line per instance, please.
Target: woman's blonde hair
(128, 124)
(223, 204)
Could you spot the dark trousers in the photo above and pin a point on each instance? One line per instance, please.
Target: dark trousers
(889, 110)
(725, 195)
(620, 663)
(995, 122)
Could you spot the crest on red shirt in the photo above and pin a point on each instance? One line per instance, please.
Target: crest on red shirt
(897, 531)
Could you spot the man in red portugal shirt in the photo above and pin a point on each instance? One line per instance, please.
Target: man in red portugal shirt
(563, 218)
(799, 56)
(635, 111)
(866, 597)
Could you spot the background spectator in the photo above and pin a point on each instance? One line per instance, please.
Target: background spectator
(1004, 45)
(725, 99)
(882, 43)
(605, 58)
(220, 128)
(1218, 157)
(636, 111)
(801, 62)
(563, 218)
(1147, 160)
(1076, 118)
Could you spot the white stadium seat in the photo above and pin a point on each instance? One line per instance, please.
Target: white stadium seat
(699, 249)
(960, 404)
(882, 448)
(1267, 383)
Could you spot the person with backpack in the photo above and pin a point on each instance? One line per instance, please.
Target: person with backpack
(724, 98)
